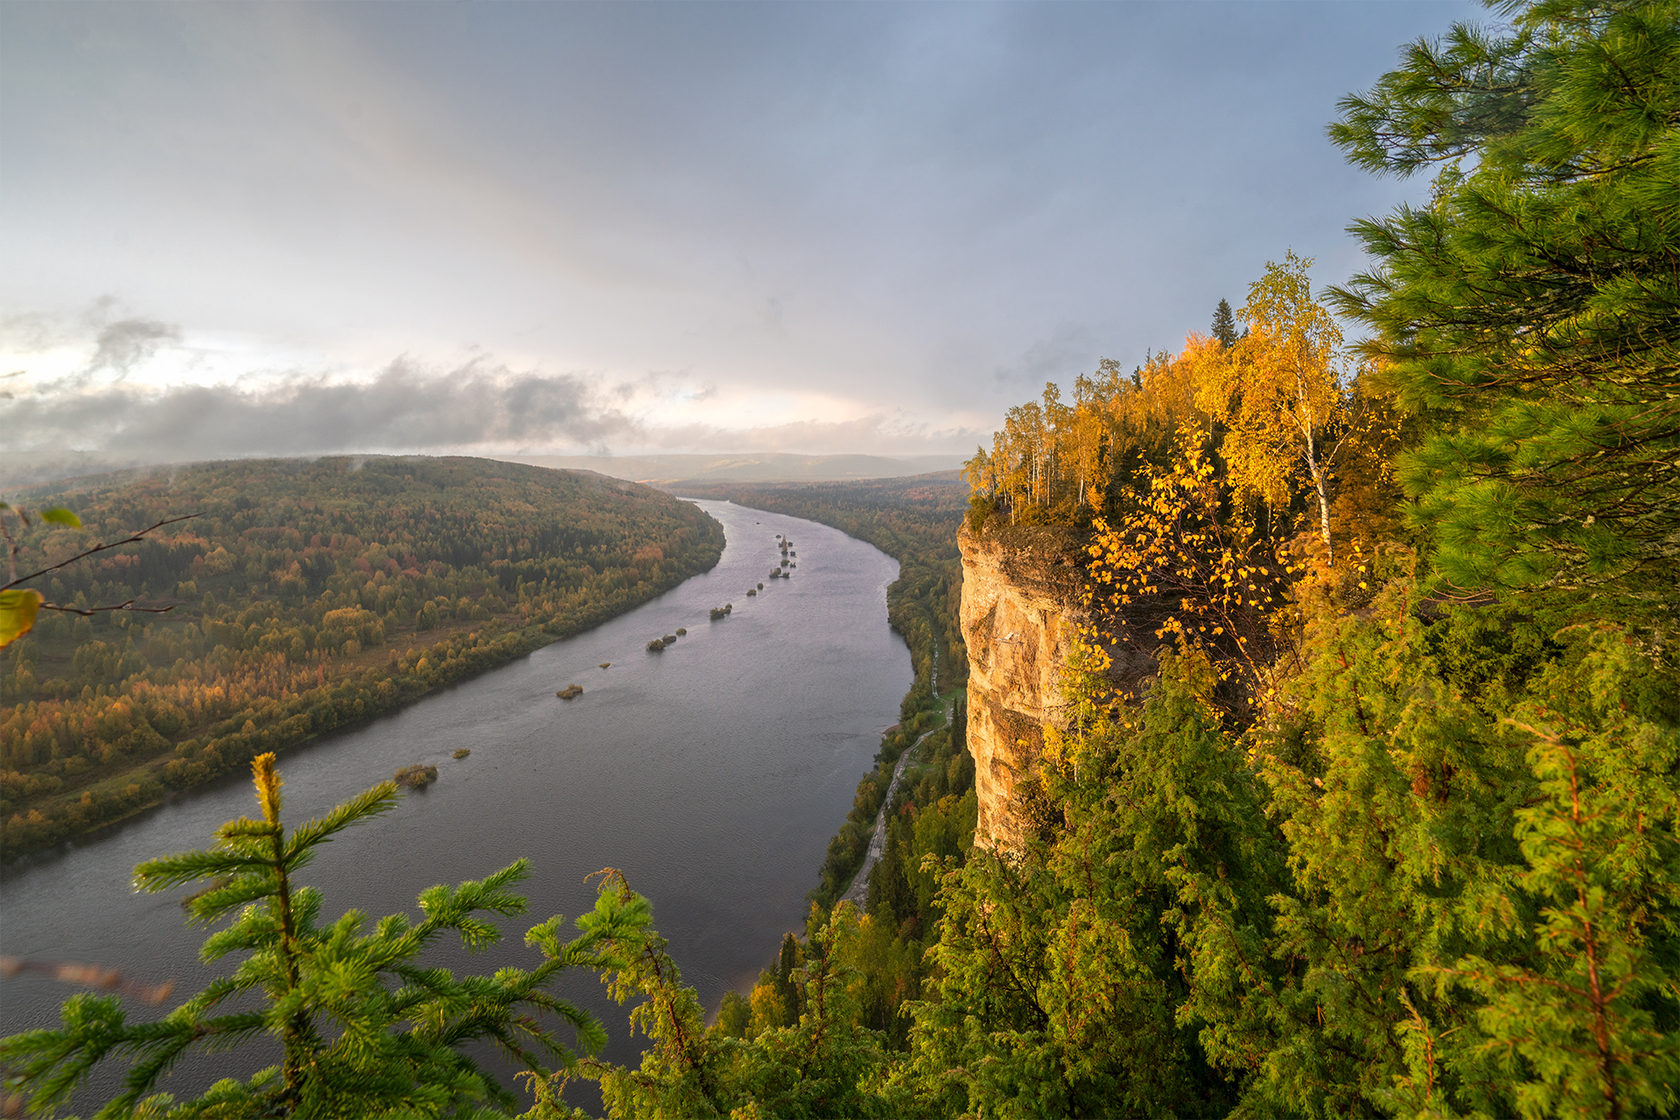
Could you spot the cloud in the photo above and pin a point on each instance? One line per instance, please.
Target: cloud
(65, 352)
(128, 342)
(404, 408)
(30, 332)
(1069, 350)
(876, 433)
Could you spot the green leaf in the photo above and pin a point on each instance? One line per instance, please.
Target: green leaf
(17, 613)
(58, 515)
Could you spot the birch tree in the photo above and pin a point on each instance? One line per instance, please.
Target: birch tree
(1278, 391)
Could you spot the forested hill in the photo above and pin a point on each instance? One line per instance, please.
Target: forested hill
(307, 595)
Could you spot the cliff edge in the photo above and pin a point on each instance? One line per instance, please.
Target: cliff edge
(1021, 613)
(1020, 616)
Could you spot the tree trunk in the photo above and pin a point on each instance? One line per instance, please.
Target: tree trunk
(1323, 499)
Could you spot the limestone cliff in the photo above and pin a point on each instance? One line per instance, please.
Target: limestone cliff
(1020, 615)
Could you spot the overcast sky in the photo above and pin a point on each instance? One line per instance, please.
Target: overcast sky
(567, 227)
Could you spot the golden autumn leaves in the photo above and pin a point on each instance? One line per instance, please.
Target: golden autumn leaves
(1204, 546)
(1282, 408)
(1215, 575)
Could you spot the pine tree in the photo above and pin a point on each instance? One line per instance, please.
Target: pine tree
(364, 1029)
(1532, 308)
(1484, 842)
(1113, 965)
(820, 1062)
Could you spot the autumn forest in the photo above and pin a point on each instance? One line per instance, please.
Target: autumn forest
(1360, 793)
(346, 589)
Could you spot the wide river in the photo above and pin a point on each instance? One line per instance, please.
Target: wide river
(712, 775)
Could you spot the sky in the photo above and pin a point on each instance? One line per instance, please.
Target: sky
(581, 228)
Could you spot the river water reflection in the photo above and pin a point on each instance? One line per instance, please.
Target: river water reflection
(712, 775)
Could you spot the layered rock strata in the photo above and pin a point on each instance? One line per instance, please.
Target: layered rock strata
(1020, 617)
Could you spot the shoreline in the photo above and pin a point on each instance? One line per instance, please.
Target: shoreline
(515, 643)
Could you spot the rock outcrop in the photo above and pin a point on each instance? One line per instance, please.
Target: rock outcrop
(1022, 611)
(1020, 617)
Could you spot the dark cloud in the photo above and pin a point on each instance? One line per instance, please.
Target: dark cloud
(126, 343)
(1071, 349)
(404, 408)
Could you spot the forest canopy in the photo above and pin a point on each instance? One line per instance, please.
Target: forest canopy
(307, 595)
(1395, 827)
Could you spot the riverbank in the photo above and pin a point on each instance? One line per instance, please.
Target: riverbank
(349, 705)
(858, 892)
(104, 719)
(712, 774)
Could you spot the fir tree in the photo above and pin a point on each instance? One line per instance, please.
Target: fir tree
(364, 1029)
(1224, 325)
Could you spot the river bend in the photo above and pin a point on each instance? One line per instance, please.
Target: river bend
(712, 774)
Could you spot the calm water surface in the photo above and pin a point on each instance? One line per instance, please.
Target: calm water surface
(712, 774)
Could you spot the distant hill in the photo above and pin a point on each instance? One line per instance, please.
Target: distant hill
(665, 470)
(308, 595)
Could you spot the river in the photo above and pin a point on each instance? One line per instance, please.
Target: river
(712, 775)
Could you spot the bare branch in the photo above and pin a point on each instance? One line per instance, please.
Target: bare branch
(123, 606)
(85, 553)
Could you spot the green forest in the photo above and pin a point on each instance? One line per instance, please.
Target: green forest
(303, 597)
(1391, 827)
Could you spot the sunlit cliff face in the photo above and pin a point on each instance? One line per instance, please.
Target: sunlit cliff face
(1020, 617)
(1025, 609)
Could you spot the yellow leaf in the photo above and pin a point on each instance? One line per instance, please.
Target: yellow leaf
(17, 613)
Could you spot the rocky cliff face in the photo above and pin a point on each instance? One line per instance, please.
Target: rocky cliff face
(1020, 616)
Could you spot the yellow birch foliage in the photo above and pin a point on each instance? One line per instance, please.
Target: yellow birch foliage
(1278, 391)
(1216, 576)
